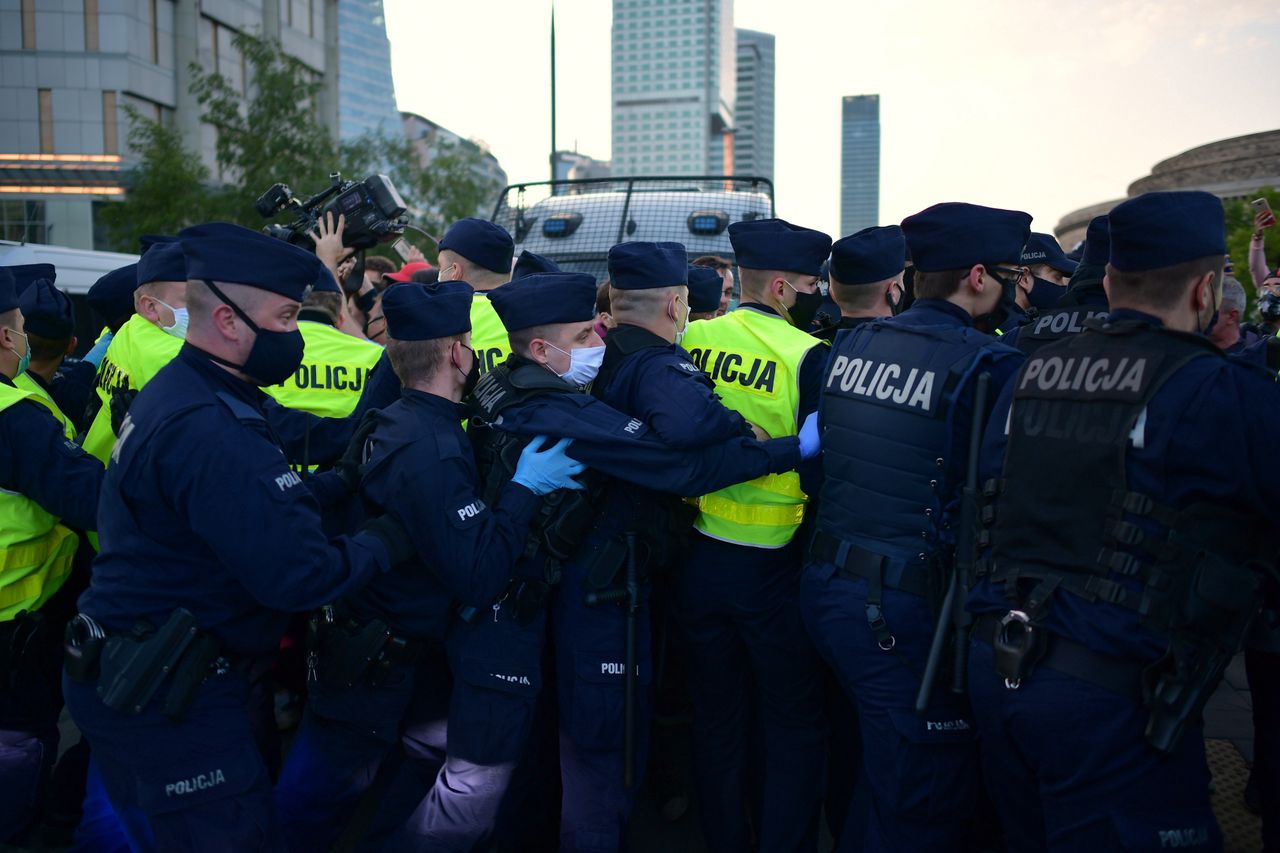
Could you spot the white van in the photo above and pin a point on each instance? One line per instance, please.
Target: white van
(574, 223)
(77, 269)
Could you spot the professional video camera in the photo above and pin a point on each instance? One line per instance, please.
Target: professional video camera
(373, 210)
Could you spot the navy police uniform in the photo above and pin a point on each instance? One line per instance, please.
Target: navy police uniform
(1119, 581)
(897, 406)
(868, 257)
(1085, 298)
(205, 516)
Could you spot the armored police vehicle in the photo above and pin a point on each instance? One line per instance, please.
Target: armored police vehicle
(575, 222)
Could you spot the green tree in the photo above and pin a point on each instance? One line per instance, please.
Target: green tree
(1240, 215)
(158, 197)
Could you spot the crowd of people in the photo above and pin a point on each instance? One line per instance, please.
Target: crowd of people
(939, 537)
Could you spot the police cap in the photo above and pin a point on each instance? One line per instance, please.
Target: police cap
(1044, 248)
(481, 242)
(871, 255)
(220, 251)
(545, 299)
(529, 263)
(1097, 242)
(112, 294)
(162, 262)
(705, 289)
(25, 275)
(148, 241)
(8, 294)
(47, 311)
(425, 312)
(1156, 230)
(954, 235)
(325, 282)
(775, 244)
(641, 265)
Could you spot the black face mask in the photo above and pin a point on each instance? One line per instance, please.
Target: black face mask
(274, 357)
(805, 309)
(908, 293)
(1269, 306)
(365, 301)
(1213, 321)
(472, 376)
(1005, 308)
(1044, 294)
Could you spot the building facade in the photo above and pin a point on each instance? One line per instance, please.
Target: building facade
(430, 139)
(674, 87)
(366, 92)
(754, 107)
(575, 166)
(70, 68)
(859, 163)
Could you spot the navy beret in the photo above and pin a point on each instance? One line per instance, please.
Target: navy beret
(112, 294)
(8, 294)
(545, 299)
(1097, 242)
(425, 312)
(640, 265)
(219, 251)
(705, 289)
(954, 235)
(1156, 230)
(25, 275)
(481, 242)
(325, 282)
(1044, 249)
(529, 263)
(162, 262)
(47, 311)
(872, 255)
(147, 241)
(774, 244)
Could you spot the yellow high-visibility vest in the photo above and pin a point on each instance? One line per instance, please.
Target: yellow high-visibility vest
(26, 383)
(488, 335)
(332, 376)
(754, 360)
(137, 352)
(35, 550)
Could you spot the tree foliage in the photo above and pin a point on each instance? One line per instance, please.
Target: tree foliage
(270, 133)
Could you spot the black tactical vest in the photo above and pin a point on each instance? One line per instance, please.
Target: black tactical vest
(1066, 517)
(1056, 325)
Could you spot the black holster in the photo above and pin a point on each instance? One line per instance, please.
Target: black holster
(344, 652)
(133, 666)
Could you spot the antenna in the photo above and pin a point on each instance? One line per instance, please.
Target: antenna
(553, 90)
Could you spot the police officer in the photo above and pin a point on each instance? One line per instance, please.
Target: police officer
(49, 325)
(866, 277)
(47, 486)
(705, 286)
(736, 588)
(111, 296)
(529, 263)
(335, 365)
(420, 467)
(1125, 537)
(145, 343)
(479, 253)
(897, 407)
(556, 353)
(208, 541)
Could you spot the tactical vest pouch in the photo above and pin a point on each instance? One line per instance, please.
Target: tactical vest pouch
(345, 651)
(134, 667)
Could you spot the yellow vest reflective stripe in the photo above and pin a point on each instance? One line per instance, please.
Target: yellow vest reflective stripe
(334, 368)
(137, 352)
(35, 550)
(488, 335)
(753, 358)
(26, 383)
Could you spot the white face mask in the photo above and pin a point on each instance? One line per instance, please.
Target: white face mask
(684, 327)
(180, 321)
(584, 364)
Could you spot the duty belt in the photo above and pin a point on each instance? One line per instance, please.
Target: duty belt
(854, 561)
(1119, 675)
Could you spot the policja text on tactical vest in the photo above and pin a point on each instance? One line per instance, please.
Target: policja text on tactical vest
(883, 381)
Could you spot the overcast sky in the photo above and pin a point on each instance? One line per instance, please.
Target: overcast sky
(1032, 104)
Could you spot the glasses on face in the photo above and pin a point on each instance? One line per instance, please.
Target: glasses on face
(1009, 274)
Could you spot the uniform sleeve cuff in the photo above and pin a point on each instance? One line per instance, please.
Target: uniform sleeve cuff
(784, 453)
(518, 502)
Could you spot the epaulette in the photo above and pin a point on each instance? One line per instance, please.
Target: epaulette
(244, 413)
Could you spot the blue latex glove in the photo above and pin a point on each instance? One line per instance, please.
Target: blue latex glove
(544, 469)
(810, 438)
(94, 356)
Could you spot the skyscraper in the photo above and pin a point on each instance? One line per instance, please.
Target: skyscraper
(859, 163)
(674, 83)
(366, 93)
(753, 113)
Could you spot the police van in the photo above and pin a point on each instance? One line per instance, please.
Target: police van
(575, 222)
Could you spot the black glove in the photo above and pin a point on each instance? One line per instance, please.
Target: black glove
(121, 400)
(394, 537)
(351, 466)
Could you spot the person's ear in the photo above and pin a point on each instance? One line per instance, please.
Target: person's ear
(71, 345)
(224, 321)
(975, 280)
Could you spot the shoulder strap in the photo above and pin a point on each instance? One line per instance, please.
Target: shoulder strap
(243, 411)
